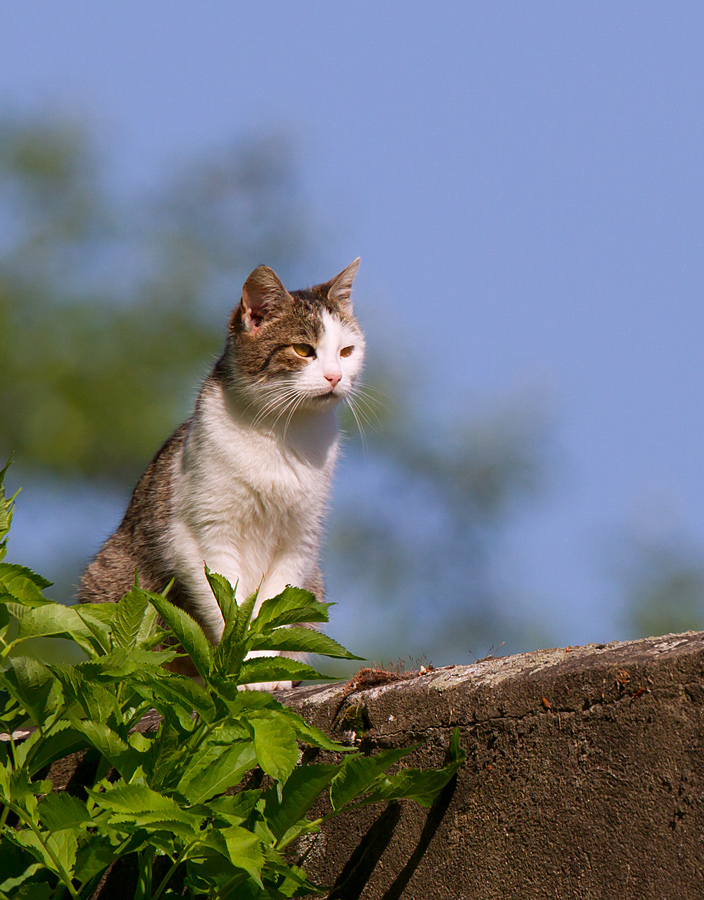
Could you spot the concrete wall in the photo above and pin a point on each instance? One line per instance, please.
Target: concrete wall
(584, 778)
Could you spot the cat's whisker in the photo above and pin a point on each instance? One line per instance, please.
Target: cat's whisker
(277, 403)
(357, 419)
(371, 391)
(367, 413)
(366, 395)
(294, 407)
(279, 399)
(365, 406)
(286, 400)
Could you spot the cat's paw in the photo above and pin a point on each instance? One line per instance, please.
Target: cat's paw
(268, 686)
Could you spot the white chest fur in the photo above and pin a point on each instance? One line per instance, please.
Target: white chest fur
(249, 503)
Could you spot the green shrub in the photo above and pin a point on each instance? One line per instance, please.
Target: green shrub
(181, 800)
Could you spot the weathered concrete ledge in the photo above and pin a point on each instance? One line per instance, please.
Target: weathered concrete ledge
(584, 778)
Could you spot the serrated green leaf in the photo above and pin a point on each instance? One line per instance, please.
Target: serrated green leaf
(231, 650)
(292, 881)
(244, 615)
(46, 749)
(300, 640)
(5, 772)
(6, 620)
(149, 629)
(31, 890)
(128, 618)
(97, 702)
(140, 805)
(62, 810)
(240, 847)
(20, 790)
(106, 741)
(167, 756)
(275, 745)
(224, 593)
(23, 585)
(141, 742)
(421, 786)
(188, 632)
(215, 770)
(249, 700)
(64, 844)
(314, 736)
(56, 620)
(49, 620)
(241, 703)
(103, 612)
(234, 644)
(97, 627)
(33, 686)
(229, 732)
(6, 507)
(277, 668)
(293, 606)
(412, 784)
(95, 856)
(119, 664)
(26, 747)
(212, 874)
(178, 691)
(360, 774)
(16, 866)
(234, 808)
(299, 793)
(61, 847)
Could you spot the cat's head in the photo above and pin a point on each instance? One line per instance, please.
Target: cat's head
(294, 350)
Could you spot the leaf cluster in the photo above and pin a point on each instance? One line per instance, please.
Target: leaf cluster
(187, 800)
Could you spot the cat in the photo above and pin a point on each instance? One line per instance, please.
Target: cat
(242, 485)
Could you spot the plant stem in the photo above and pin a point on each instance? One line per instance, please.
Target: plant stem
(144, 886)
(183, 855)
(62, 873)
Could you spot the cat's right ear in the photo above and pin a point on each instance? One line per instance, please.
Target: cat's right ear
(261, 292)
(340, 287)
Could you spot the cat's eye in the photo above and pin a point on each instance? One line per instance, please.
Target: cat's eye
(304, 350)
(346, 351)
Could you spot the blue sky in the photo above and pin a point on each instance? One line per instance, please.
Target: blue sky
(523, 182)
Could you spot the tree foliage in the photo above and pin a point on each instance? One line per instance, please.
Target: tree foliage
(663, 587)
(107, 309)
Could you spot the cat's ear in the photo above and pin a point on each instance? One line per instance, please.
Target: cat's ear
(261, 292)
(340, 289)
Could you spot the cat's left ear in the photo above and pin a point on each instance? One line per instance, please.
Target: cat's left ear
(341, 286)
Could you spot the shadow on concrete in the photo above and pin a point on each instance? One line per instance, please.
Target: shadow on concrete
(358, 870)
(436, 814)
(354, 877)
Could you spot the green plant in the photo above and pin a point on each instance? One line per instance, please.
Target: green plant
(205, 804)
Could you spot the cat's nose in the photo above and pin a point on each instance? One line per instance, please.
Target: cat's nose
(333, 378)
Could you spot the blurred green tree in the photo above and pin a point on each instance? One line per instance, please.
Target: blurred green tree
(663, 587)
(107, 311)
